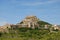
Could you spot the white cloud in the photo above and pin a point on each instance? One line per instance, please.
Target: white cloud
(17, 17)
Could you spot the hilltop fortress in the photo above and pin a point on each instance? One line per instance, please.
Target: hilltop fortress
(28, 22)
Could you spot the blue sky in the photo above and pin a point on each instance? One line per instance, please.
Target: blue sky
(13, 11)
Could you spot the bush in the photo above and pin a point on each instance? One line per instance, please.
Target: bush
(0, 34)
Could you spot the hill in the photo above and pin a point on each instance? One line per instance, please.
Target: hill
(31, 28)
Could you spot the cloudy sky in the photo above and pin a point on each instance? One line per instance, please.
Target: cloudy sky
(13, 11)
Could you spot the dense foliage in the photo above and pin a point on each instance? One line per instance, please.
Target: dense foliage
(30, 34)
(43, 23)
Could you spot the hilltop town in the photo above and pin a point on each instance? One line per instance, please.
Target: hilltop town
(30, 22)
(30, 28)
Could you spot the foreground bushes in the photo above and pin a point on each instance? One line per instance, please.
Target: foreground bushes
(30, 34)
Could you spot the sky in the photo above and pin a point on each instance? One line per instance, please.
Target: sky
(14, 11)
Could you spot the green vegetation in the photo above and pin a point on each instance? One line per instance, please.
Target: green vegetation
(30, 34)
(43, 23)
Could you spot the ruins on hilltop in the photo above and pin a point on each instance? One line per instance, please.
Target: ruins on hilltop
(30, 22)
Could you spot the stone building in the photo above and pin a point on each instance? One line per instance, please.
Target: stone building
(30, 21)
(4, 28)
(56, 27)
(46, 27)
